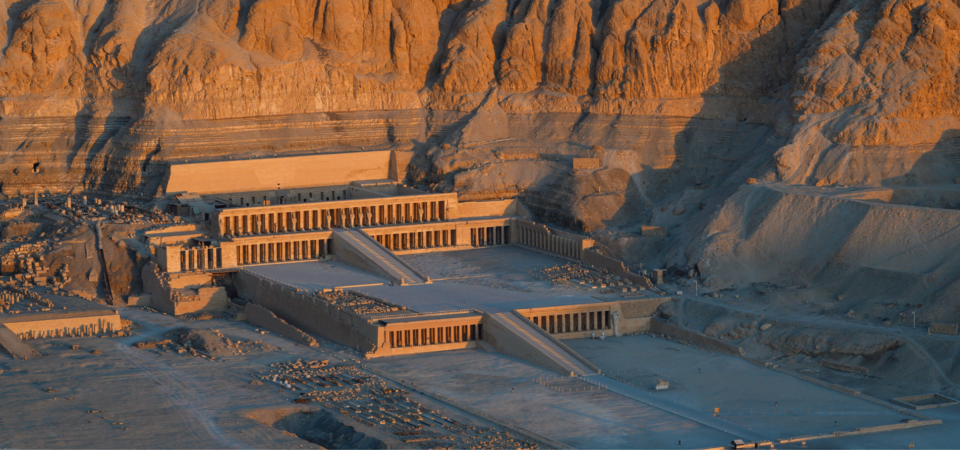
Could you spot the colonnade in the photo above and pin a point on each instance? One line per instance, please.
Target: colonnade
(414, 240)
(82, 330)
(323, 195)
(292, 250)
(543, 239)
(235, 222)
(195, 258)
(489, 236)
(418, 337)
(574, 322)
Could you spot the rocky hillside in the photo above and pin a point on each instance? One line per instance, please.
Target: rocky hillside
(683, 100)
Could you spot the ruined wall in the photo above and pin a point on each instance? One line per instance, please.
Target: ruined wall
(706, 342)
(182, 293)
(81, 323)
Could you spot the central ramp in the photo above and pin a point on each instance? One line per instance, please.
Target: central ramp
(512, 336)
(10, 342)
(358, 249)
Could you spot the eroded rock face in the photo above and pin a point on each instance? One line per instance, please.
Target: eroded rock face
(43, 60)
(106, 91)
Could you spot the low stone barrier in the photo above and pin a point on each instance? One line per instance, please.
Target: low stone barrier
(706, 342)
(943, 328)
(264, 318)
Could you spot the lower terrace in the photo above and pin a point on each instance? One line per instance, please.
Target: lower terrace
(494, 279)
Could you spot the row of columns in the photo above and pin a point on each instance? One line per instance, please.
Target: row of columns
(489, 236)
(199, 258)
(418, 239)
(419, 337)
(331, 195)
(295, 250)
(574, 322)
(550, 242)
(102, 326)
(324, 219)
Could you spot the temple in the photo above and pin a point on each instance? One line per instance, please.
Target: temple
(263, 216)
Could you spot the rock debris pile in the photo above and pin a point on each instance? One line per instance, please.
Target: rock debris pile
(208, 344)
(356, 302)
(577, 275)
(366, 398)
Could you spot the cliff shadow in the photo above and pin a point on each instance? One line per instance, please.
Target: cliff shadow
(932, 180)
(728, 141)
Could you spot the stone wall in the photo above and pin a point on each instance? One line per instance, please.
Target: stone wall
(614, 266)
(182, 293)
(278, 173)
(586, 163)
(80, 323)
(264, 318)
(705, 342)
(299, 309)
(943, 328)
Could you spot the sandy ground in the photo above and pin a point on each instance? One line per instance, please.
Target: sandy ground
(505, 387)
(125, 397)
(775, 404)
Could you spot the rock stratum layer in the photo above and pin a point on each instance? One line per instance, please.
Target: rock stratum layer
(107, 83)
(682, 101)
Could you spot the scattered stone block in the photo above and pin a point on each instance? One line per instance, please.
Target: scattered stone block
(943, 328)
(653, 231)
(586, 163)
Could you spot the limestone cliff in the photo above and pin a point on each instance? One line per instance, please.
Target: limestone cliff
(688, 97)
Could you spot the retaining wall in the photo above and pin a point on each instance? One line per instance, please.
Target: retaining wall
(706, 342)
(80, 323)
(304, 312)
(291, 172)
(614, 266)
(264, 318)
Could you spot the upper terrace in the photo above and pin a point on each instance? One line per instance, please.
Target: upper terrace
(365, 203)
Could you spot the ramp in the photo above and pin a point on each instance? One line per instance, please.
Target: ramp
(358, 249)
(511, 336)
(14, 346)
